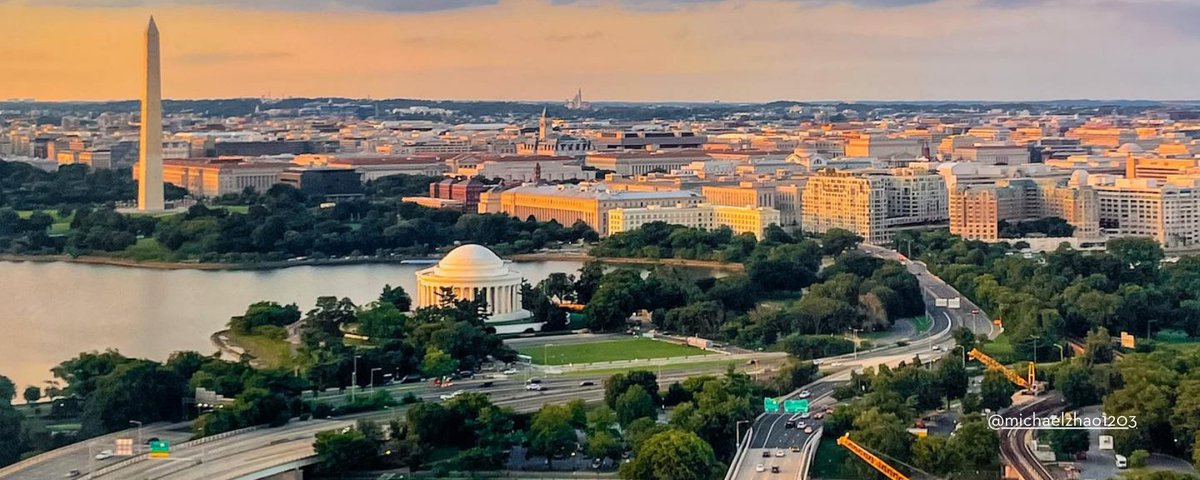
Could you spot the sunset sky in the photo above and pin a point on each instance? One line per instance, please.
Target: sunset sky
(641, 50)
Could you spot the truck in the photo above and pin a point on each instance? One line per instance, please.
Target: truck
(954, 302)
(940, 302)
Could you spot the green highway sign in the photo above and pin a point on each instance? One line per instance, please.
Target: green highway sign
(770, 404)
(160, 449)
(795, 406)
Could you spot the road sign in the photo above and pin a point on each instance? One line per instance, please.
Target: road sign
(124, 447)
(160, 449)
(795, 406)
(770, 405)
(1127, 340)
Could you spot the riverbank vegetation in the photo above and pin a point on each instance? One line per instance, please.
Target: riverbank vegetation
(272, 226)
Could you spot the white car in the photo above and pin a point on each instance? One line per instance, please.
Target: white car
(805, 394)
(451, 395)
(760, 468)
(537, 387)
(805, 415)
(511, 371)
(781, 453)
(104, 455)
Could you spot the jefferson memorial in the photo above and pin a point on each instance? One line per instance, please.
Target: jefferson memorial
(474, 271)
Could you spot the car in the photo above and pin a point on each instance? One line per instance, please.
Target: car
(486, 384)
(805, 415)
(534, 380)
(587, 383)
(596, 463)
(450, 395)
(819, 415)
(766, 454)
(537, 387)
(937, 347)
(511, 371)
(104, 455)
(808, 430)
(76, 473)
(780, 453)
(774, 468)
(801, 425)
(805, 394)
(789, 424)
(760, 468)
(795, 448)
(1122, 462)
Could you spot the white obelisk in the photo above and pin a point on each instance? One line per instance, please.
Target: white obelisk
(150, 167)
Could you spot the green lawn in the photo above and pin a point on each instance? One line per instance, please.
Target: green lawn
(716, 367)
(271, 352)
(61, 223)
(1000, 349)
(147, 249)
(607, 351)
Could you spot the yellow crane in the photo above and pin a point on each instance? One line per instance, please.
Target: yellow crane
(870, 458)
(1026, 383)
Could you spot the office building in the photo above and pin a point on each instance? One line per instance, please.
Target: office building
(586, 202)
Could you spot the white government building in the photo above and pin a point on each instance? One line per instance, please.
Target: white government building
(474, 271)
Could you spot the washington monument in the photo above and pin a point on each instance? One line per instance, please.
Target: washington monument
(150, 166)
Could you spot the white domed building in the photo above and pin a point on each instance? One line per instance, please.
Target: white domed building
(474, 271)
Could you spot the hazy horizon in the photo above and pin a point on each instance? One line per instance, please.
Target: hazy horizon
(732, 51)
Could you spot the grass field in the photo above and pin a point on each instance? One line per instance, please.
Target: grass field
(61, 224)
(607, 351)
(271, 352)
(1000, 349)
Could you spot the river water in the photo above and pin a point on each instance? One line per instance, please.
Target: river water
(50, 312)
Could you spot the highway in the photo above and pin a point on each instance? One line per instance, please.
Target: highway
(1015, 443)
(259, 450)
(79, 456)
(934, 343)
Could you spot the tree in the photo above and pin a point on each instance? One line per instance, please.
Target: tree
(794, 374)
(8, 390)
(11, 445)
(996, 391)
(952, 378)
(382, 320)
(1068, 442)
(1138, 458)
(438, 363)
(550, 432)
(837, 240)
(589, 281)
(263, 314)
(616, 385)
(340, 452)
(1075, 382)
(32, 394)
(672, 455)
(933, 454)
(635, 403)
(604, 444)
(397, 297)
(976, 445)
(136, 390)
(1097, 347)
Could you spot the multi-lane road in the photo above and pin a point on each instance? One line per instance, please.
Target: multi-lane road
(933, 343)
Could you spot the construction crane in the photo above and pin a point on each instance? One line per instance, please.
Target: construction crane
(870, 458)
(1029, 383)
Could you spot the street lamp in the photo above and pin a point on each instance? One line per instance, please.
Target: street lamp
(354, 378)
(964, 353)
(373, 370)
(139, 432)
(1061, 358)
(545, 353)
(855, 330)
(1148, 322)
(1035, 346)
(738, 429)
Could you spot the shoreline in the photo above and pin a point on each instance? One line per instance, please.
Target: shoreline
(278, 265)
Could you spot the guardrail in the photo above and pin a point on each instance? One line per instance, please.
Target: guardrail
(810, 452)
(191, 443)
(66, 449)
(736, 463)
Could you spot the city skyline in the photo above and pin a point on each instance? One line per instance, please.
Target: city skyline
(775, 50)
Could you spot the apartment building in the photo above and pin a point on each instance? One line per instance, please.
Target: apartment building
(1165, 210)
(976, 210)
(873, 203)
